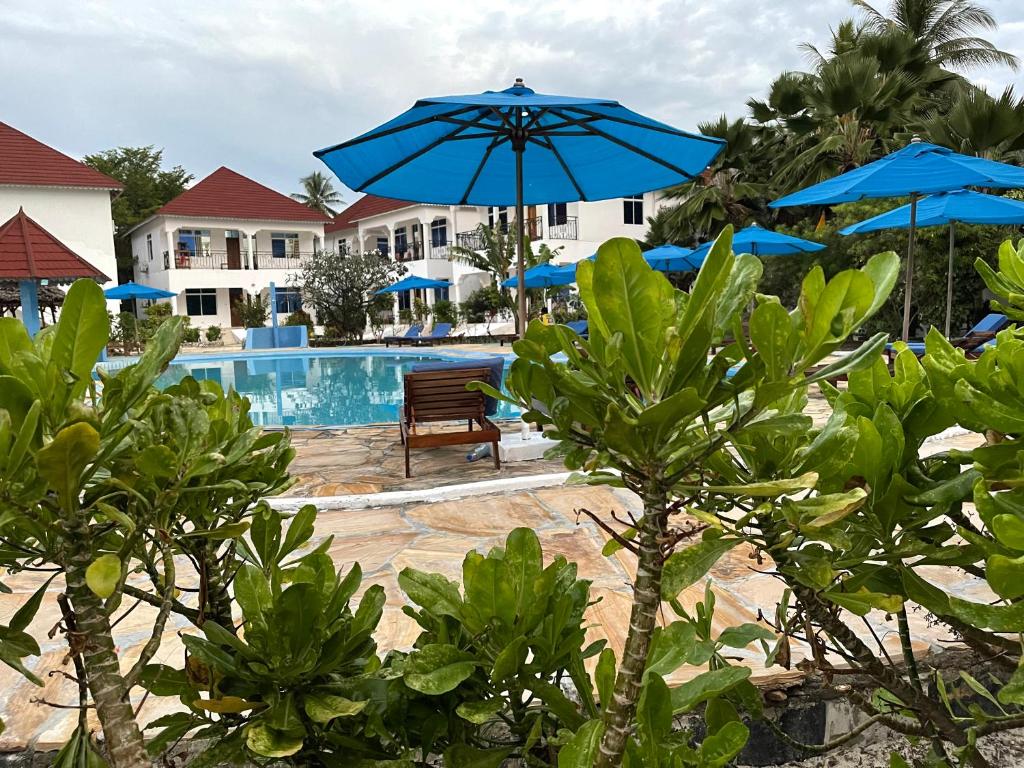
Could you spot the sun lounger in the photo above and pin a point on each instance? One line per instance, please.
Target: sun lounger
(582, 327)
(440, 332)
(973, 343)
(406, 338)
(436, 392)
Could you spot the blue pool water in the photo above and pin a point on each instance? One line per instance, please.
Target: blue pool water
(315, 388)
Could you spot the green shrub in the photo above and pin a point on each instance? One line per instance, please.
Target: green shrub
(191, 335)
(405, 316)
(213, 333)
(481, 305)
(420, 310)
(301, 317)
(446, 312)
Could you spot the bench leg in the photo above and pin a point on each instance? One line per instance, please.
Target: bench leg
(497, 459)
(408, 473)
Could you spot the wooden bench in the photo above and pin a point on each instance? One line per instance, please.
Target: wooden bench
(441, 395)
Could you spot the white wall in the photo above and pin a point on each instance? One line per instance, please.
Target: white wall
(79, 218)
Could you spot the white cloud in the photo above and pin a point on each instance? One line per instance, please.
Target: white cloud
(259, 85)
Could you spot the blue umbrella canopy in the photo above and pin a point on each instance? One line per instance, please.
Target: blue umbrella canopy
(918, 169)
(673, 258)
(413, 283)
(131, 290)
(946, 208)
(518, 147)
(763, 242)
(545, 275)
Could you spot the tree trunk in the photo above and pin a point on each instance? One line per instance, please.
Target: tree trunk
(618, 717)
(106, 683)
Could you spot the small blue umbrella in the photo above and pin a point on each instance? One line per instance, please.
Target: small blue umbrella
(518, 147)
(545, 275)
(413, 283)
(129, 290)
(673, 258)
(763, 242)
(918, 169)
(946, 208)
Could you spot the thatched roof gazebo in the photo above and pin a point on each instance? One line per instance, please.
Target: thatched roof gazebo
(29, 255)
(50, 298)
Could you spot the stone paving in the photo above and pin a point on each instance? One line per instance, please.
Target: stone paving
(435, 536)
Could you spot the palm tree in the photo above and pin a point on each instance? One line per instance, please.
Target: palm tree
(947, 28)
(979, 124)
(319, 194)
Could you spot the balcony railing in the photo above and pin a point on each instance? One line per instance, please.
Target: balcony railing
(534, 228)
(439, 252)
(411, 252)
(472, 240)
(563, 228)
(212, 259)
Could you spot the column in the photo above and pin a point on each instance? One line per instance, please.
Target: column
(29, 291)
(171, 245)
(426, 238)
(358, 250)
(250, 249)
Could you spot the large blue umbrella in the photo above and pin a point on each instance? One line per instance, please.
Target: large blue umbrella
(518, 147)
(673, 258)
(947, 208)
(131, 290)
(918, 169)
(545, 275)
(413, 283)
(762, 242)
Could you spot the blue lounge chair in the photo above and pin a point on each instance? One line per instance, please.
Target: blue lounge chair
(438, 333)
(973, 343)
(412, 333)
(582, 327)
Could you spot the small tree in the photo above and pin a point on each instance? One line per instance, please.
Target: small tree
(649, 397)
(253, 311)
(445, 312)
(341, 288)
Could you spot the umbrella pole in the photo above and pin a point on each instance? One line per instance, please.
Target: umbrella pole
(520, 259)
(949, 277)
(908, 289)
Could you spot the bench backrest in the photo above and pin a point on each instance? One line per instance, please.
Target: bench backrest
(441, 395)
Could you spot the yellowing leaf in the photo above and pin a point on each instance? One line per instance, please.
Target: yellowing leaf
(226, 705)
(103, 574)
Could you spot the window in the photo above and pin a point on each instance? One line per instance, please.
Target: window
(404, 300)
(557, 213)
(149, 246)
(284, 245)
(401, 243)
(439, 233)
(201, 301)
(441, 294)
(195, 242)
(502, 218)
(633, 209)
(382, 245)
(342, 246)
(288, 300)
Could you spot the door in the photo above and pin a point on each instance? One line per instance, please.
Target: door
(532, 222)
(234, 298)
(234, 246)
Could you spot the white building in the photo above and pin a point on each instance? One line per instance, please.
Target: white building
(226, 237)
(69, 199)
(419, 235)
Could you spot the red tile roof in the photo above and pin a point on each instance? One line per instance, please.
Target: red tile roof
(23, 160)
(29, 251)
(226, 194)
(363, 208)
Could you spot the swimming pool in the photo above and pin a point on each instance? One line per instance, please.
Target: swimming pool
(312, 388)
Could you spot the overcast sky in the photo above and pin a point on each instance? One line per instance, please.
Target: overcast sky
(258, 85)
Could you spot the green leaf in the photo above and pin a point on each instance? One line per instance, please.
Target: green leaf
(706, 685)
(479, 712)
(1005, 575)
(771, 331)
(524, 561)
(604, 676)
(581, 750)
(24, 615)
(82, 333)
(861, 358)
(722, 746)
(510, 659)
(13, 339)
(324, 707)
(1009, 530)
(438, 668)
(817, 512)
(772, 488)
(62, 461)
(465, 756)
(432, 591)
(745, 634)
(300, 530)
(103, 574)
(1013, 691)
(688, 566)
(162, 680)
(670, 647)
(863, 601)
(157, 461)
(268, 742)
(719, 713)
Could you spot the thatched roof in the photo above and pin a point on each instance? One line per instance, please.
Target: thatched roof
(49, 295)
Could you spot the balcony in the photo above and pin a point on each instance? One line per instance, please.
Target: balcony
(564, 228)
(534, 228)
(472, 240)
(211, 259)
